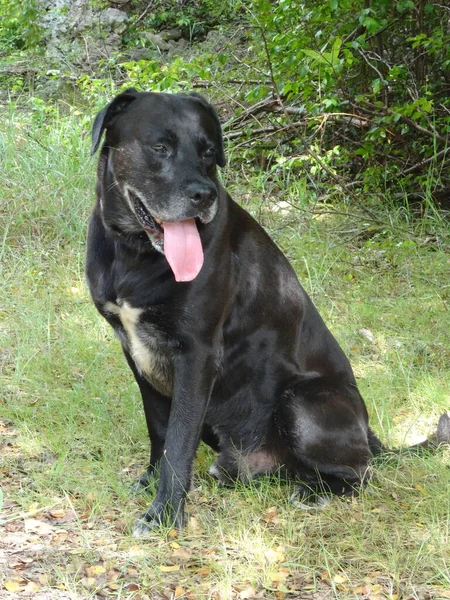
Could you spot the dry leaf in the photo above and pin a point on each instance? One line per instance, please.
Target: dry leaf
(280, 576)
(95, 570)
(339, 579)
(194, 525)
(366, 333)
(271, 516)
(36, 526)
(58, 514)
(113, 586)
(182, 554)
(172, 533)
(274, 555)
(174, 545)
(136, 551)
(249, 592)
(31, 587)
(14, 586)
(88, 582)
(169, 568)
(179, 591)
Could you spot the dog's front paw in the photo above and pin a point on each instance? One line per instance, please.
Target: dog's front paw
(156, 516)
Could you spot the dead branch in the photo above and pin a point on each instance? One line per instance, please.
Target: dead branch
(423, 163)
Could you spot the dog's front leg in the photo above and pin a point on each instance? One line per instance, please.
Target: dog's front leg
(195, 374)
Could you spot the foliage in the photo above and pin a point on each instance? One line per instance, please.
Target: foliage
(19, 27)
(372, 79)
(194, 18)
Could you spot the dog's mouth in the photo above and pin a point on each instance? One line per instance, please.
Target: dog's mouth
(178, 240)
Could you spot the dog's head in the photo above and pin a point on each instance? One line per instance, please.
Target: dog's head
(158, 170)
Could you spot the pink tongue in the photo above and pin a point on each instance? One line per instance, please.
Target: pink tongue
(183, 249)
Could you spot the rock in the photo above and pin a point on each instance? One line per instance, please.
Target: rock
(156, 40)
(113, 19)
(80, 31)
(171, 34)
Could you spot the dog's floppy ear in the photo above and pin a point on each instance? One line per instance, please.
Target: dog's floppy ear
(220, 151)
(104, 117)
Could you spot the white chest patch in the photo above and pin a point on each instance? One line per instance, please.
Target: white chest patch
(145, 345)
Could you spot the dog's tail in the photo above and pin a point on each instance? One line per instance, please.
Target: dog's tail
(440, 436)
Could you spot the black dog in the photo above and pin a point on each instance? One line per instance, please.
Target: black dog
(224, 343)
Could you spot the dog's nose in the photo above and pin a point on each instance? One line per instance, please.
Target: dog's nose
(201, 195)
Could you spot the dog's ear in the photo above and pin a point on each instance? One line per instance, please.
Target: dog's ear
(220, 151)
(105, 116)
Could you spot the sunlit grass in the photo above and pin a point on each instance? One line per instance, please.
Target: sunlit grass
(80, 435)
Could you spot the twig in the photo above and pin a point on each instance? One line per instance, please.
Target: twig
(30, 513)
(261, 130)
(422, 163)
(147, 8)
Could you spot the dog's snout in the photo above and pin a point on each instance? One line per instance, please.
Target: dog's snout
(201, 195)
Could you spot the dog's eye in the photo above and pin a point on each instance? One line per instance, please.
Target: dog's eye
(160, 149)
(209, 153)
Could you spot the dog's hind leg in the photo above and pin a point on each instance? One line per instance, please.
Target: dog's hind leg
(325, 427)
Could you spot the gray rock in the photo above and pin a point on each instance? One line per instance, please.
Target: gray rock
(156, 40)
(80, 32)
(171, 34)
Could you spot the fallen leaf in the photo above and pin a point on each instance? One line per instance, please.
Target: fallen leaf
(362, 589)
(36, 526)
(113, 586)
(279, 576)
(169, 568)
(194, 525)
(274, 555)
(182, 554)
(58, 514)
(88, 582)
(95, 570)
(14, 586)
(339, 579)
(179, 591)
(172, 533)
(271, 516)
(31, 587)
(366, 333)
(249, 592)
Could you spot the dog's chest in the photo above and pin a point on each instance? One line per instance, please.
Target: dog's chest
(145, 343)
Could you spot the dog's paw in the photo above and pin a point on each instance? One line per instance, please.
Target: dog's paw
(158, 515)
(223, 478)
(308, 499)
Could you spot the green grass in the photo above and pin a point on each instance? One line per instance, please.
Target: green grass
(74, 432)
